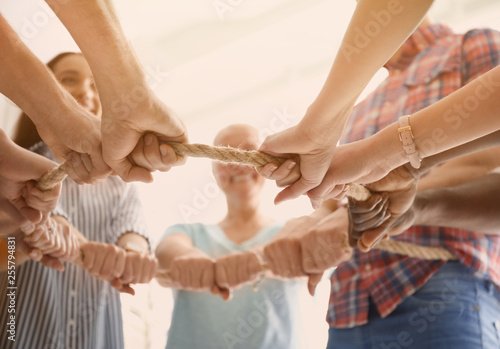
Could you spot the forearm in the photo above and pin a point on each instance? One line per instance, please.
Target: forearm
(472, 206)
(465, 115)
(462, 169)
(298, 226)
(25, 80)
(8, 227)
(443, 126)
(95, 27)
(489, 141)
(361, 53)
(169, 248)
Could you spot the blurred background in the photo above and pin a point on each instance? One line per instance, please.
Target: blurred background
(218, 62)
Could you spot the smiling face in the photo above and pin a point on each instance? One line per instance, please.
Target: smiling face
(238, 180)
(74, 74)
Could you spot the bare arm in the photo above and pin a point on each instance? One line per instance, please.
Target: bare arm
(444, 125)
(377, 29)
(61, 122)
(130, 107)
(463, 169)
(172, 247)
(434, 203)
(473, 205)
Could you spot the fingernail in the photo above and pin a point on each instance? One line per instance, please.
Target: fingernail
(148, 140)
(270, 170)
(163, 151)
(291, 165)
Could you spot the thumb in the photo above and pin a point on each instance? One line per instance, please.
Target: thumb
(25, 219)
(30, 165)
(278, 143)
(129, 172)
(52, 263)
(313, 281)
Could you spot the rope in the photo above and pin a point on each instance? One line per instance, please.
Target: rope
(258, 159)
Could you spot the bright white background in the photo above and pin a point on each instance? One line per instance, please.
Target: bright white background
(261, 62)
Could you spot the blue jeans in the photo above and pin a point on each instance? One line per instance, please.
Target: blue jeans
(453, 309)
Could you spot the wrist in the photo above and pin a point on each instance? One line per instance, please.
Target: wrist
(385, 148)
(421, 208)
(326, 120)
(408, 141)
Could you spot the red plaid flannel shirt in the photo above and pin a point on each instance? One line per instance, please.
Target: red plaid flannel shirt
(435, 62)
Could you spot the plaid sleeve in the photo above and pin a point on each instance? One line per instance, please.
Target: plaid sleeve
(480, 53)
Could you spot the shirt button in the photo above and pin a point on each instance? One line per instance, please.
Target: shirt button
(497, 325)
(72, 293)
(368, 267)
(71, 323)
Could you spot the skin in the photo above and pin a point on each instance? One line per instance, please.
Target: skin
(105, 261)
(191, 269)
(20, 200)
(396, 184)
(61, 122)
(316, 136)
(460, 193)
(130, 107)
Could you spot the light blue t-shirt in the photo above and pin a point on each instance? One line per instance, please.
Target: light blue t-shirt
(266, 319)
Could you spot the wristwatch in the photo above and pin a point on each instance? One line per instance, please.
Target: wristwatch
(406, 137)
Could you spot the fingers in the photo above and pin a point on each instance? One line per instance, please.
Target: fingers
(313, 281)
(365, 215)
(139, 268)
(113, 264)
(295, 190)
(152, 156)
(52, 263)
(371, 238)
(324, 249)
(104, 261)
(45, 201)
(26, 224)
(368, 221)
(116, 283)
(55, 239)
(127, 171)
(284, 257)
(236, 270)
(326, 191)
(84, 169)
(193, 273)
(284, 175)
(326, 244)
(225, 293)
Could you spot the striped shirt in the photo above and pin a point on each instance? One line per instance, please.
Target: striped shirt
(72, 309)
(434, 63)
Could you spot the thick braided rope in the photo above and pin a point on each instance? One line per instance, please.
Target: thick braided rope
(258, 159)
(52, 178)
(417, 251)
(225, 154)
